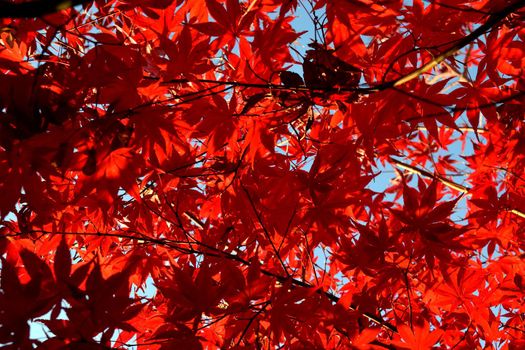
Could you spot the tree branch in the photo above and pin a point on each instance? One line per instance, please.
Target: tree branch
(265, 230)
(216, 253)
(36, 8)
(429, 175)
(492, 21)
(444, 181)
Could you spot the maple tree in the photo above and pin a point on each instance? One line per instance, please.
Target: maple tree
(202, 174)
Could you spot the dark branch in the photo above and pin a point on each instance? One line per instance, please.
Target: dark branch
(492, 21)
(210, 251)
(37, 8)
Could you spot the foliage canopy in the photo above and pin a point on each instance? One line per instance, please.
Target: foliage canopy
(202, 174)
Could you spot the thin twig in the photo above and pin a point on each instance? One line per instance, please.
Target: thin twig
(36, 8)
(458, 187)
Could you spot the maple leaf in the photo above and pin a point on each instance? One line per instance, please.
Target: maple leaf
(420, 338)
